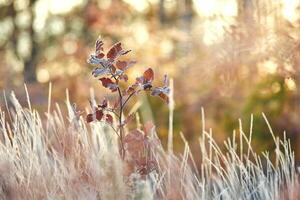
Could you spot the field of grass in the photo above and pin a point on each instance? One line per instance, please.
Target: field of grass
(62, 157)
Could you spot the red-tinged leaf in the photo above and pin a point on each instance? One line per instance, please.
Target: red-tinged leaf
(114, 51)
(89, 118)
(109, 119)
(130, 89)
(99, 46)
(100, 55)
(121, 65)
(164, 97)
(104, 104)
(145, 81)
(99, 114)
(162, 92)
(149, 75)
(106, 81)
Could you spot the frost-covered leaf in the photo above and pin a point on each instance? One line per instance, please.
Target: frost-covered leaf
(116, 51)
(108, 83)
(98, 46)
(145, 81)
(124, 65)
(94, 60)
(162, 92)
(100, 72)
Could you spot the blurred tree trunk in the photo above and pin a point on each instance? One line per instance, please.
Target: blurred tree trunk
(31, 59)
(246, 11)
(162, 12)
(30, 62)
(185, 17)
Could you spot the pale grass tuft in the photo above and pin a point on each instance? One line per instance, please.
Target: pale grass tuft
(62, 157)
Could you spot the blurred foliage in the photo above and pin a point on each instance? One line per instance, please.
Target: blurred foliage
(232, 57)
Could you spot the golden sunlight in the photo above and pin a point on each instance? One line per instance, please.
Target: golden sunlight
(216, 7)
(289, 9)
(139, 5)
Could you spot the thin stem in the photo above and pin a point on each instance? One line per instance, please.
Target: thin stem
(120, 124)
(120, 118)
(128, 98)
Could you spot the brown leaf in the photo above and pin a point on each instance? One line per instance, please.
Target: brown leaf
(99, 45)
(149, 75)
(100, 55)
(108, 83)
(164, 97)
(99, 114)
(89, 118)
(162, 92)
(130, 89)
(113, 52)
(145, 81)
(104, 104)
(121, 65)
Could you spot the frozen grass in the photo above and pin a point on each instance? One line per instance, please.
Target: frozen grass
(64, 158)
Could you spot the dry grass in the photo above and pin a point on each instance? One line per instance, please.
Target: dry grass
(64, 158)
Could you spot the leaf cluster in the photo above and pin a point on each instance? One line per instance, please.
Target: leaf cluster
(111, 70)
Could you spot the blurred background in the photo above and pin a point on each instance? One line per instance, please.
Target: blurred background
(232, 57)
